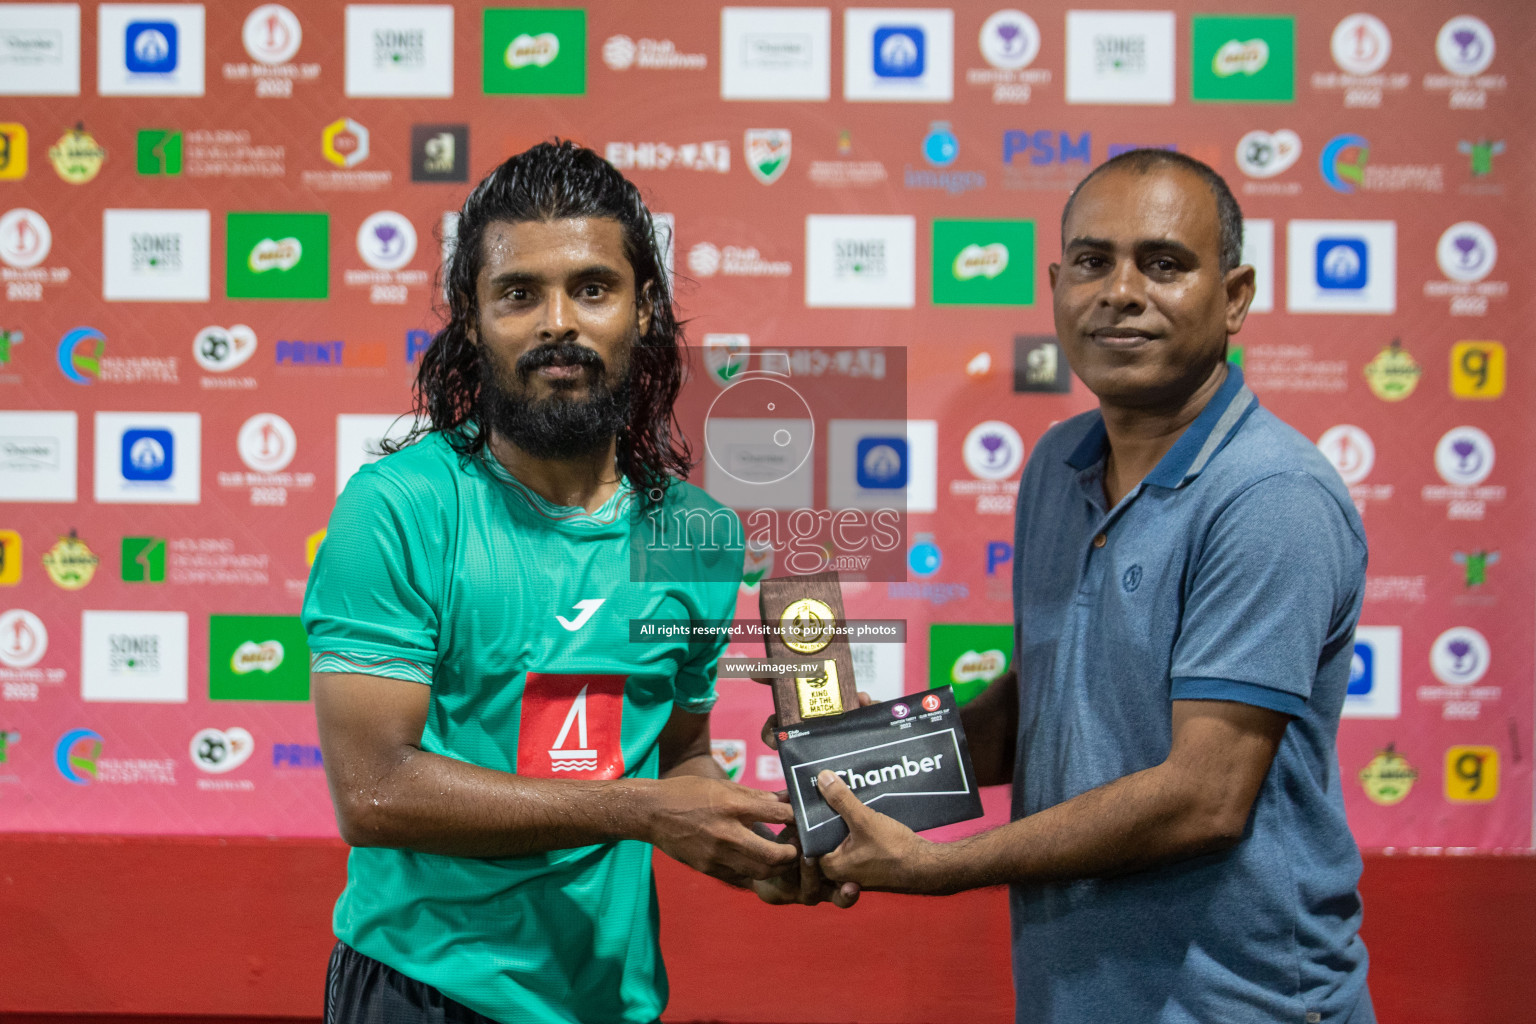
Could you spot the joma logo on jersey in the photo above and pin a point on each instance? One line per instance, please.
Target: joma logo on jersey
(571, 727)
(586, 608)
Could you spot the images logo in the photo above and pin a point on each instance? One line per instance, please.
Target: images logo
(80, 352)
(257, 657)
(535, 51)
(277, 255)
(940, 146)
(983, 262)
(439, 152)
(271, 34)
(924, 557)
(767, 152)
(1464, 456)
(25, 239)
(150, 47)
(13, 151)
(143, 560)
(159, 151)
(1466, 252)
(344, 142)
(23, 639)
(10, 558)
(1471, 774)
(76, 755)
(1361, 44)
(1477, 369)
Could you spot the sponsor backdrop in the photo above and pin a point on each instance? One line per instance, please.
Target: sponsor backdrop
(221, 226)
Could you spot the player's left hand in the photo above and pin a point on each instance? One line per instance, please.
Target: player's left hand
(803, 884)
(880, 852)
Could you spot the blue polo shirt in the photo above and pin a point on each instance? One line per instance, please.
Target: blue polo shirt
(1234, 571)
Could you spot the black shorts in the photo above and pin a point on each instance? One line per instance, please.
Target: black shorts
(360, 990)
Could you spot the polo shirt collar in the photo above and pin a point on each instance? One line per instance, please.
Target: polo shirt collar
(1192, 452)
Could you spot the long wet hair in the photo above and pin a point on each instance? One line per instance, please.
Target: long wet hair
(556, 181)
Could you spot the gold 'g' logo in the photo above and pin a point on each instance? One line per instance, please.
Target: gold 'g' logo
(806, 625)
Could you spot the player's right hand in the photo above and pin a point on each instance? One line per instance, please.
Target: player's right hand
(707, 825)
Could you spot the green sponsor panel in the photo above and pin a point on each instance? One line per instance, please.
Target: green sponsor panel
(535, 51)
(967, 657)
(257, 657)
(277, 256)
(983, 263)
(1243, 59)
(159, 152)
(143, 559)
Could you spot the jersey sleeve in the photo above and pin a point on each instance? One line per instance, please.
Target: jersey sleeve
(370, 606)
(1279, 577)
(717, 576)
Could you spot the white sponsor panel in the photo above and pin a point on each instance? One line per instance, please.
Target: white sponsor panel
(860, 262)
(400, 50)
(1259, 253)
(880, 669)
(149, 458)
(149, 49)
(775, 53)
(155, 255)
(40, 50)
(899, 54)
(38, 456)
(1376, 673)
(882, 464)
(133, 657)
(358, 440)
(1120, 57)
(1341, 266)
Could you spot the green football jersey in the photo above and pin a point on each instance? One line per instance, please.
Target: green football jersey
(449, 572)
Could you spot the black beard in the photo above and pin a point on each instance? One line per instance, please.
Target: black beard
(561, 426)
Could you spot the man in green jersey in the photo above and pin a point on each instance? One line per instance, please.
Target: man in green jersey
(500, 754)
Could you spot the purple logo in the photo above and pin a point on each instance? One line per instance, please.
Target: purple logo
(900, 710)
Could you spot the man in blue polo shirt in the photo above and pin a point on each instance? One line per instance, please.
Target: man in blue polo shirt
(1188, 572)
